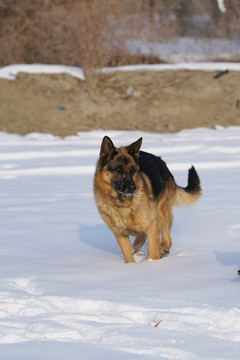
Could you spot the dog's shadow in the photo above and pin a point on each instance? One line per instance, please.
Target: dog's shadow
(99, 237)
(230, 259)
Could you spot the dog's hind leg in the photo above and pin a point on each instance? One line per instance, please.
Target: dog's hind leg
(125, 245)
(139, 242)
(153, 234)
(166, 223)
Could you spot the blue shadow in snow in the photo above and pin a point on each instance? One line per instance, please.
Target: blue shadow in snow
(229, 259)
(99, 237)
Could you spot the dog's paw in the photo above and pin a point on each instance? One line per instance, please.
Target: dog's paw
(163, 252)
(140, 256)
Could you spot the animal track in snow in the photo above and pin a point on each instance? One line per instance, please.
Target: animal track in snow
(38, 317)
(25, 284)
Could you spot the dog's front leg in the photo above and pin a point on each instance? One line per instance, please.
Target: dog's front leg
(125, 245)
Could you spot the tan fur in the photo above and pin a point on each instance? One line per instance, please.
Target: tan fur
(140, 215)
(183, 198)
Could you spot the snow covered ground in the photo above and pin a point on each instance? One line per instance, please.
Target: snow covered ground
(187, 48)
(10, 72)
(65, 292)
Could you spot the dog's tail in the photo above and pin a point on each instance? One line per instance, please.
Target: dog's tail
(192, 192)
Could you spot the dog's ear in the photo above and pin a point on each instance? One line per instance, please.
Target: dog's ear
(107, 147)
(134, 148)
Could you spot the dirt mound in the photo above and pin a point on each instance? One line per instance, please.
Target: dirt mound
(163, 101)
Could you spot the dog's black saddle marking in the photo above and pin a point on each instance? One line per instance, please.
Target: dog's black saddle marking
(157, 171)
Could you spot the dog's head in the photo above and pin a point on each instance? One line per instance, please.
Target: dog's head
(120, 165)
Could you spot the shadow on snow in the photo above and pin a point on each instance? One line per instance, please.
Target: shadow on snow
(229, 259)
(99, 237)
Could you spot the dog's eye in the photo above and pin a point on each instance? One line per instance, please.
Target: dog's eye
(119, 170)
(133, 170)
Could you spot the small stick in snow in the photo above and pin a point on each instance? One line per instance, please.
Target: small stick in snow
(156, 325)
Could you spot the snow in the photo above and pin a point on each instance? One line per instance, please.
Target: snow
(65, 291)
(187, 49)
(10, 72)
(64, 288)
(221, 6)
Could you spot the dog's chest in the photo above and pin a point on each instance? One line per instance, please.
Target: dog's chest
(130, 217)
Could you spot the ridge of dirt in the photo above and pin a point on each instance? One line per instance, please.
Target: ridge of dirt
(154, 101)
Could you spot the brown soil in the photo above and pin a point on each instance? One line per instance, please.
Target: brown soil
(152, 101)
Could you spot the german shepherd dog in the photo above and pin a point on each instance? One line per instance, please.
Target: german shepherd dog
(135, 194)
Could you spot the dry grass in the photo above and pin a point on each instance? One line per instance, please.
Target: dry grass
(92, 33)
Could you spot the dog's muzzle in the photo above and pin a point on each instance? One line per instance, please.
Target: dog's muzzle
(125, 186)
